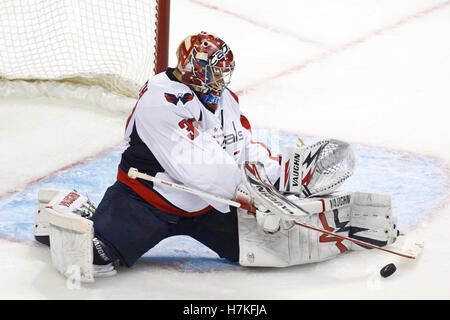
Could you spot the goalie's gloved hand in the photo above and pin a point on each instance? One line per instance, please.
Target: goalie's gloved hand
(268, 222)
(317, 169)
(242, 195)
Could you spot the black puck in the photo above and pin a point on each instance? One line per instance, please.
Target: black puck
(387, 270)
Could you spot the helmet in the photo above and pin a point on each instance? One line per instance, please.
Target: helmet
(206, 64)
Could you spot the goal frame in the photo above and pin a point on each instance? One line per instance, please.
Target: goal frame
(162, 36)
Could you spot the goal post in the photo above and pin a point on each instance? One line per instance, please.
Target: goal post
(162, 34)
(112, 46)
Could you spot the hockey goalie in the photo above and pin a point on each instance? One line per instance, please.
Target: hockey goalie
(187, 130)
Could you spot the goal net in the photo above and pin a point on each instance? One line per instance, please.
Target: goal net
(113, 46)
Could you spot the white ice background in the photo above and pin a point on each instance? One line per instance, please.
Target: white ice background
(376, 74)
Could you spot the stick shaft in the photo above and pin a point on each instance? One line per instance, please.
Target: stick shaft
(188, 190)
(366, 244)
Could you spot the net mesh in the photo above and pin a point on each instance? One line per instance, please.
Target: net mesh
(110, 43)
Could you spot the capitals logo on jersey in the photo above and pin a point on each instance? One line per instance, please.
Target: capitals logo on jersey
(184, 98)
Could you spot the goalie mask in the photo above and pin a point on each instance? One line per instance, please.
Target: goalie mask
(206, 64)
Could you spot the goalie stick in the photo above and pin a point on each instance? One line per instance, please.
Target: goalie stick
(294, 211)
(309, 207)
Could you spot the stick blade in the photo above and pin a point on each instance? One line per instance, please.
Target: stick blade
(413, 247)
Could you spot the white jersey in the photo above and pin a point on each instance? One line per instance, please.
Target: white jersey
(173, 136)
